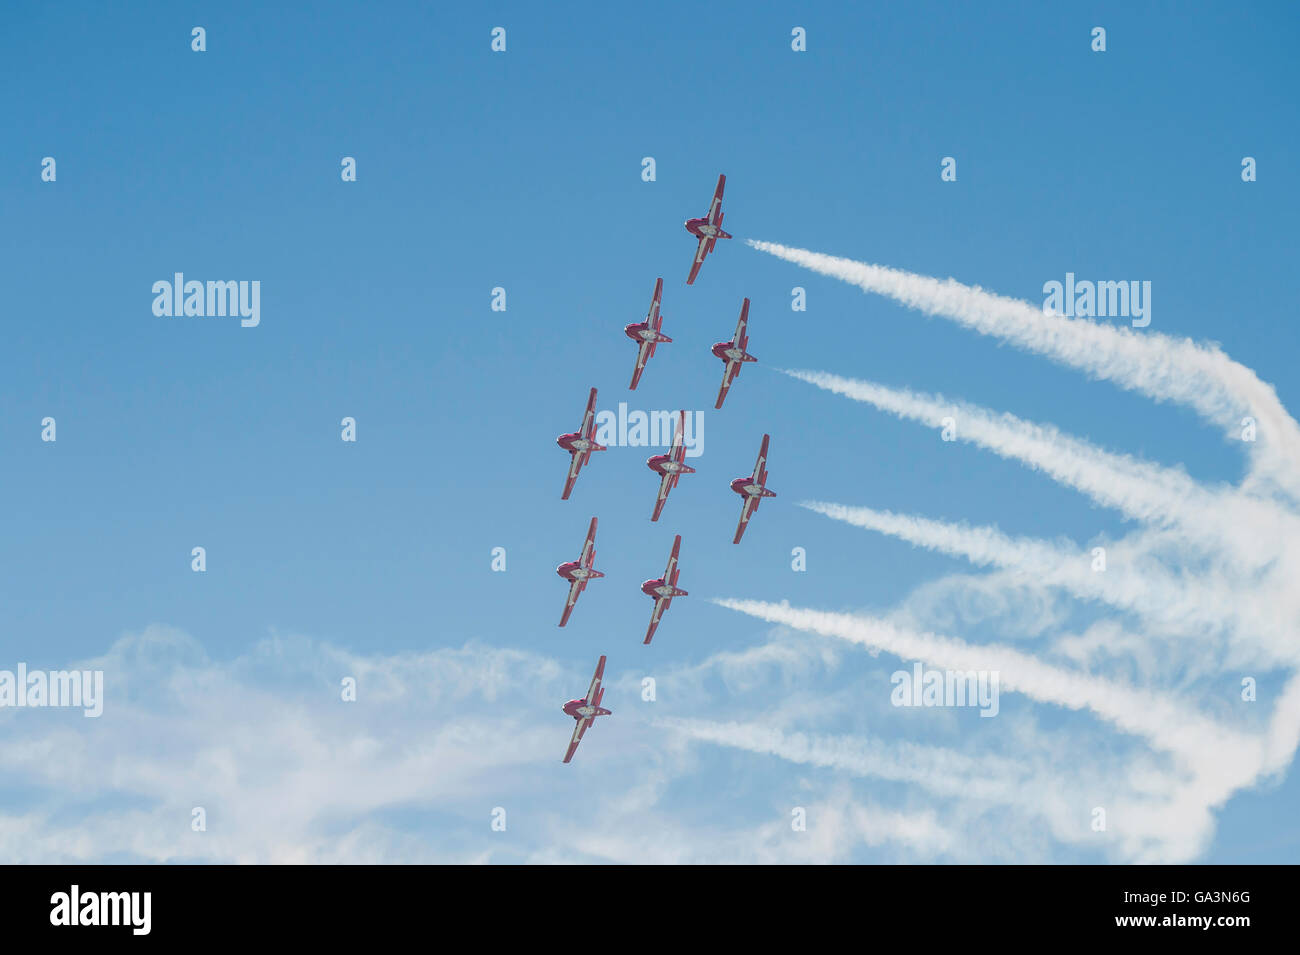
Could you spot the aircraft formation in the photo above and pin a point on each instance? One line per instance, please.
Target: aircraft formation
(670, 467)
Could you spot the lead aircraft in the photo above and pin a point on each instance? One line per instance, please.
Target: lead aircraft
(707, 229)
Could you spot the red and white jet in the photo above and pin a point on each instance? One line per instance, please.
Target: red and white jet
(753, 489)
(586, 710)
(578, 572)
(580, 444)
(733, 353)
(647, 334)
(708, 230)
(663, 589)
(670, 467)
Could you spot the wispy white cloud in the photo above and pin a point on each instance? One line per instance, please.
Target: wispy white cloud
(287, 772)
(265, 745)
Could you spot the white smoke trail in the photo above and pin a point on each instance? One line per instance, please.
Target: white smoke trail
(944, 772)
(1199, 376)
(1137, 489)
(1190, 608)
(1173, 828)
(1224, 759)
(1149, 827)
(1240, 571)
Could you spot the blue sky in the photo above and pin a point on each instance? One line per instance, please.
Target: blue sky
(522, 170)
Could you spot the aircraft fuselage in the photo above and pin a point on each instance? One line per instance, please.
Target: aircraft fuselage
(661, 588)
(701, 228)
(581, 709)
(746, 487)
(664, 464)
(729, 352)
(573, 441)
(573, 570)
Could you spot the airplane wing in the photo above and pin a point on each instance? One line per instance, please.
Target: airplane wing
(596, 677)
(665, 485)
(589, 547)
(669, 577)
(728, 375)
(654, 303)
(677, 452)
(716, 204)
(575, 590)
(575, 465)
(589, 417)
(741, 339)
(746, 511)
(578, 730)
(760, 466)
(642, 354)
(661, 604)
(700, 252)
